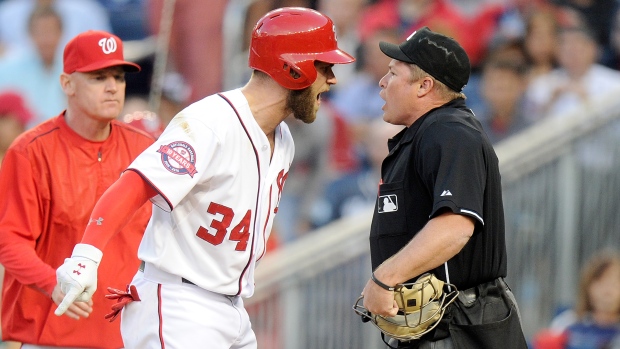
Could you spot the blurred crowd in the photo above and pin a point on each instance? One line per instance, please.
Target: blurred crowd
(531, 59)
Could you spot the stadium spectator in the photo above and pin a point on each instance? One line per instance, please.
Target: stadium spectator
(598, 15)
(577, 81)
(541, 42)
(14, 116)
(495, 23)
(34, 71)
(408, 15)
(612, 57)
(77, 16)
(502, 87)
(594, 322)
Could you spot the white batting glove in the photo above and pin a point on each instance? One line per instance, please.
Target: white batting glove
(77, 277)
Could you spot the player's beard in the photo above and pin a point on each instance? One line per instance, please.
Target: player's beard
(302, 104)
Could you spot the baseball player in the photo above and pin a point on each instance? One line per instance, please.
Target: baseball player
(215, 177)
(51, 178)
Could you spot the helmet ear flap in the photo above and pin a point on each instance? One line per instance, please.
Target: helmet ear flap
(296, 75)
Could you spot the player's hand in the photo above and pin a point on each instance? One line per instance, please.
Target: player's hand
(379, 301)
(76, 310)
(77, 277)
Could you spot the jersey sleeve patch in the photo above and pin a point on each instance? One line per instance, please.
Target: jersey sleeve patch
(179, 158)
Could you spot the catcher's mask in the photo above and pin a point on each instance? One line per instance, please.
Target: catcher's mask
(421, 306)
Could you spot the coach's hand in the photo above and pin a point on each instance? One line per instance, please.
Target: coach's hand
(77, 277)
(76, 310)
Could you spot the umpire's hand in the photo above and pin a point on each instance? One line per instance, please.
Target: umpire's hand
(77, 277)
(379, 301)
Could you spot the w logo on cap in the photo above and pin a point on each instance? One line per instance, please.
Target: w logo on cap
(81, 54)
(108, 45)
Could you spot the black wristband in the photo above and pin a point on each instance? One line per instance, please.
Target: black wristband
(381, 284)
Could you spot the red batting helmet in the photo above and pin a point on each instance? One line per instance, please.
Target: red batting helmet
(292, 38)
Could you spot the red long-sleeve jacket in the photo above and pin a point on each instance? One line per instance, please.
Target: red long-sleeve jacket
(50, 180)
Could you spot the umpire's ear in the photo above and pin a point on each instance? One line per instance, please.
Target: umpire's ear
(67, 84)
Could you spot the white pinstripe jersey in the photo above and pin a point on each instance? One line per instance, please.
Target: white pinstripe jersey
(219, 193)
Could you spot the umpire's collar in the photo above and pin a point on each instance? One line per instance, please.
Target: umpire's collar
(406, 135)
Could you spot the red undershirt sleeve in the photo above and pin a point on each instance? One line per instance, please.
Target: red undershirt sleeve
(116, 207)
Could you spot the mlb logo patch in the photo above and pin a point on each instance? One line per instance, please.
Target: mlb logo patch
(387, 203)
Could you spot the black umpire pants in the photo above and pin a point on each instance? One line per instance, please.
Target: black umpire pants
(482, 317)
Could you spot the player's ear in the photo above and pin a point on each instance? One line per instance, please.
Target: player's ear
(67, 84)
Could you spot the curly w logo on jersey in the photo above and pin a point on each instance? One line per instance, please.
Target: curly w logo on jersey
(179, 158)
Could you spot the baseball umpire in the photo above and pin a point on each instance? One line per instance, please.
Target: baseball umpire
(445, 218)
(215, 177)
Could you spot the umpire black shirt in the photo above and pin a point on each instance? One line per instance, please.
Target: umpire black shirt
(443, 161)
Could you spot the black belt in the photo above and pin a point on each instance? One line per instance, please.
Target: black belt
(184, 280)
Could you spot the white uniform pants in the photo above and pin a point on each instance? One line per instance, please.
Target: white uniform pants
(172, 314)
